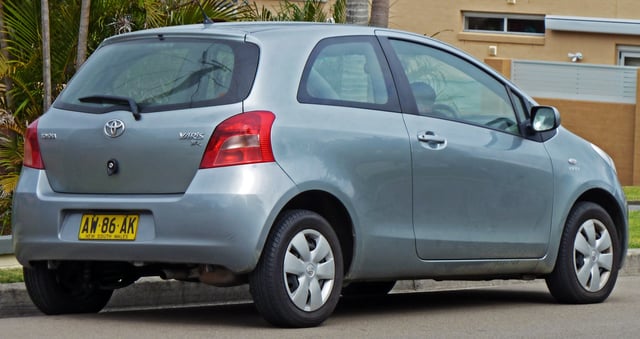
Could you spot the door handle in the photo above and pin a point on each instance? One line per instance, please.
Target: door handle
(430, 140)
(430, 137)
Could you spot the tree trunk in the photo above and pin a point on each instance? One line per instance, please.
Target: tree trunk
(5, 53)
(379, 13)
(83, 33)
(46, 55)
(358, 12)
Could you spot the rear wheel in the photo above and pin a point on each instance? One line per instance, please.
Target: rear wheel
(588, 260)
(298, 279)
(66, 289)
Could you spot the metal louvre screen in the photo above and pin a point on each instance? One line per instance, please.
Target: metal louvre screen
(574, 81)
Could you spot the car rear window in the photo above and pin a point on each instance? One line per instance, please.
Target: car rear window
(161, 73)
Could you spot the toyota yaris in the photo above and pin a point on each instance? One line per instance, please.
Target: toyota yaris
(309, 161)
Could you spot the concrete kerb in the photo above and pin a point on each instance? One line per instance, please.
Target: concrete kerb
(155, 292)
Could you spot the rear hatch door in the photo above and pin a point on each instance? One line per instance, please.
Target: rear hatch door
(137, 117)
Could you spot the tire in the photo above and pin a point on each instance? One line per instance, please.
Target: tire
(588, 260)
(63, 291)
(368, 288)
(298, 279)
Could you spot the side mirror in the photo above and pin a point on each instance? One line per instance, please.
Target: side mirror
(544, 118)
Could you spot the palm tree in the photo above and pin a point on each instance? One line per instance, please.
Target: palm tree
(46, 54)
(83, 32)
(358, 12)
(379, 13)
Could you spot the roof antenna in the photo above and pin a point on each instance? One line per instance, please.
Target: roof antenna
(207, 20)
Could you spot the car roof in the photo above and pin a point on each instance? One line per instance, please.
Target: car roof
(277, 31)
(260, 28)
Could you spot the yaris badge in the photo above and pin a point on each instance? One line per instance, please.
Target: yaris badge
(114, 128)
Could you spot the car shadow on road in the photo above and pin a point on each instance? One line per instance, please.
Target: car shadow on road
(440, 300)
(245, 315)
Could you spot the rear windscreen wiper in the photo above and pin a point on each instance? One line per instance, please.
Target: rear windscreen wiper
(116, 100)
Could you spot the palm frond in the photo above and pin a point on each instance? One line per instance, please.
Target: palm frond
(311, 10)
(340, 11)
(22, 26)
(255, 13)
(11, 155)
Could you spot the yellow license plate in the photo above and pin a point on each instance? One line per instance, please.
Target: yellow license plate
(108, 227)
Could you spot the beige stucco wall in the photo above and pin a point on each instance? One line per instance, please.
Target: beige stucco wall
(595, 122)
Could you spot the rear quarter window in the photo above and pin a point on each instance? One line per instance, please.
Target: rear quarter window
(348, 71)
(164, 73)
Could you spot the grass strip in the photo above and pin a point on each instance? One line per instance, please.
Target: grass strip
(11, 275)
(632, 193)
(634, 229)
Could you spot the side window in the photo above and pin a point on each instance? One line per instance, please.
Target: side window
(446, 86)
(348, 71)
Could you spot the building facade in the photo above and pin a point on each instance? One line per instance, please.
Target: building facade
(602, 31)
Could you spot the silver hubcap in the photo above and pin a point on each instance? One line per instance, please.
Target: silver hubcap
(593, 255)
(309, 270)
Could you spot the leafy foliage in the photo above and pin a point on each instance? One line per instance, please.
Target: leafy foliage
(21, 67)
(310, 10)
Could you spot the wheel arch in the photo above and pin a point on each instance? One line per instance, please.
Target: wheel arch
(607, 201)
(334, 211)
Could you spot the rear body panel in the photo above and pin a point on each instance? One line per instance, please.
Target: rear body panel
(198, 226)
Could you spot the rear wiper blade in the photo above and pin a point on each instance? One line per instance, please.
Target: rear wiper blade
(116, 100)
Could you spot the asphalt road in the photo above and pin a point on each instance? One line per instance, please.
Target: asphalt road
(519, 310)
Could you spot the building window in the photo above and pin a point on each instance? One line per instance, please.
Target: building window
(503, 23)
(629, 56)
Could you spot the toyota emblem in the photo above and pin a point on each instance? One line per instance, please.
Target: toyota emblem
(114, 128)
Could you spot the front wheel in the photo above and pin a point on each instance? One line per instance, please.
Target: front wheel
(299, 276)
(588, 260)
(64, 290)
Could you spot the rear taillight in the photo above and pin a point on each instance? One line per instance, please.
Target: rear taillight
(242, 139)
(32, 157)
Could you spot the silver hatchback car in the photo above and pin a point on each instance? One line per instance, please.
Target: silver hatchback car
(309, 161)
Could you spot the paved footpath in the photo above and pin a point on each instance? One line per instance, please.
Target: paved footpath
(8, 261)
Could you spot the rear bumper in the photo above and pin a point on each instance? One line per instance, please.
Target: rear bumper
(222, 219)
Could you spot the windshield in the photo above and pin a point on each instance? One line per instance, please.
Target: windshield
(160, 73)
